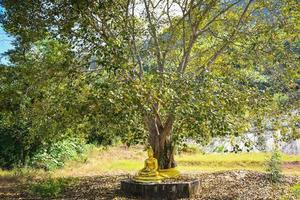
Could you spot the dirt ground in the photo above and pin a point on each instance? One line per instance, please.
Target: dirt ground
(229, 185)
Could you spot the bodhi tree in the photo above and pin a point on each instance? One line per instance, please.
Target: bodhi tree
(192, 59)
(179, 69)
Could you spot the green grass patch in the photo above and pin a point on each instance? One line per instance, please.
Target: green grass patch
(296, 190)
(49, 187)
(233, 158)
(126, 165)
(202, 162)
(5, 172)
(117, 159)
(207, 162)
(231, 161)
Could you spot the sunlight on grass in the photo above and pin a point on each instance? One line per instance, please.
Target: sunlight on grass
(117, 160)
(5, 172)
(191, 169)
(123, 160)
(125, 165)
(232, 157)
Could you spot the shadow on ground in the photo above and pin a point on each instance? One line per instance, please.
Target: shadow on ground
(229, 185)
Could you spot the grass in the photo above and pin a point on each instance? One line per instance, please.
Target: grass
(296, 190)
(230, 161)
(49, 187)
(5, 173)
(232, 157)
(117, 160)
(122, 160)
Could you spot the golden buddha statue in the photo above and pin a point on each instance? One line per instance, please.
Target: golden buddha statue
(150, 171)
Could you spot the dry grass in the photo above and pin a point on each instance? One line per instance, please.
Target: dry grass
(121, 160)
(114, 160)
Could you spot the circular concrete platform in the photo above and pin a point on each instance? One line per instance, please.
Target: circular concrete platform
(164, 190)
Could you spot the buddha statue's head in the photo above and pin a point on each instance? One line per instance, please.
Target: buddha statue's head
(150, 152)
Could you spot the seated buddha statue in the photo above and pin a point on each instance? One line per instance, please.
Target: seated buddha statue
(150, 171)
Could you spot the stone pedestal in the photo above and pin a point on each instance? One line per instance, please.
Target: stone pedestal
(167, 190)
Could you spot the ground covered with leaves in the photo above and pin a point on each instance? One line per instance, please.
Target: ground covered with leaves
(219, 185)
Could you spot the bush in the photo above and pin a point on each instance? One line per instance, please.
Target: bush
(16, 146)
(274, 166)
(10, 149)
(58, 153)
(281, 99)
(49, 187)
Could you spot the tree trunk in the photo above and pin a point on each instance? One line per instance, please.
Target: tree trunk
(160, 139)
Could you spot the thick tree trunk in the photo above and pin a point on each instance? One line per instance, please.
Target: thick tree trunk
(160, 139)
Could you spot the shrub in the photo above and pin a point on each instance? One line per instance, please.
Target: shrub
(281, 99)
(274, 166)
(49, 187)
(16, 145)
(10, 149)
(58, 153)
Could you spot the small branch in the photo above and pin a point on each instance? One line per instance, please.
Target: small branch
(215, 17)
(155, 38)
(140, 63)
(195, 34)
(215, 56)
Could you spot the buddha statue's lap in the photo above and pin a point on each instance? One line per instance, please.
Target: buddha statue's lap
(150, 168)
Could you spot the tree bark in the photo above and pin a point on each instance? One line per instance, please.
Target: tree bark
(160, 139)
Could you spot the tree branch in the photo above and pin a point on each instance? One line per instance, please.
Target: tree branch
(155, 38)
(195, 34)
(217, 53)
(131, 30)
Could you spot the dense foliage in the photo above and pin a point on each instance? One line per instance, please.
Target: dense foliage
(161, 71)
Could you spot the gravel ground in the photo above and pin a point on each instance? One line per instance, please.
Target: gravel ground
(229, 185)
